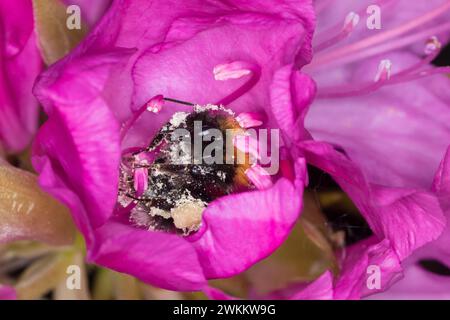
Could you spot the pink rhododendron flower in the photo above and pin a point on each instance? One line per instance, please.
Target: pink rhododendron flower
(104, 150)
(355, 109)
(22, 201)
(441, 186)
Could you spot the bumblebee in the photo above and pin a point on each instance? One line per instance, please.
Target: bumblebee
(179, 187)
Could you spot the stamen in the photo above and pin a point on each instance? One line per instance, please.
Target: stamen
(382, 78)
(259, 177)
(351, 21)
(249, 119)
(247, 144)
(143, 161)
(324, 3)
(155, 105)
(236, 70)
(179, 102)
(124, 211)
(153, 101)
(433, 46)
(348, 52)
(432, 49)
(140, 181)
(387, 46)
(420, 75)
(371, 87)
(384, 70)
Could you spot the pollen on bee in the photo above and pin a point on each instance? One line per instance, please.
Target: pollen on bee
(187, 214)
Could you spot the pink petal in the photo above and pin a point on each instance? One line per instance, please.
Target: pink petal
(353, 280)
(239, 230)
(394, 14)
(158, 258)
(77, 153)
(291, 93)
(417, 284)
(259, 177)
(319, 289)
(409, 218)
(439, 249)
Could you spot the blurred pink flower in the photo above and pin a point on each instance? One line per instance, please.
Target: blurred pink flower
(383, 110)
(418, 282)
(386, 105)
(379, 125)
(20, 63)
